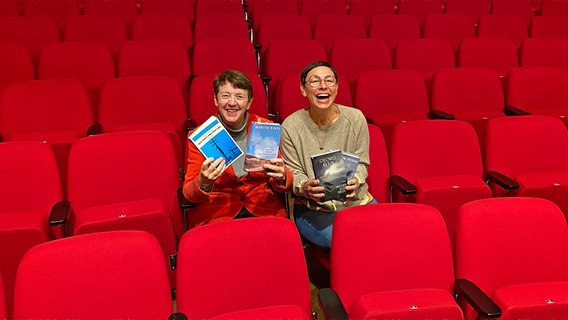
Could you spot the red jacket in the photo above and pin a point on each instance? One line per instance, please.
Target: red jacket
(256, 191)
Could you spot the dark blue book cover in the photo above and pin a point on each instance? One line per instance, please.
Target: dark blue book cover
(329, 169)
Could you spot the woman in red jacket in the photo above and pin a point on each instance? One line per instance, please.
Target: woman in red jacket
(226, 193)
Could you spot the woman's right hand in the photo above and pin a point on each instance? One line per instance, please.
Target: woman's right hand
(210, 171)
(313, 190)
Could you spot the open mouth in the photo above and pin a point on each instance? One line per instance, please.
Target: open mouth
(322, 96)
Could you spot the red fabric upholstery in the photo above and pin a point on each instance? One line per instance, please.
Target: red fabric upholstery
(410, 264)
(495, 53)
(241, 259)
(58, 10)
(205, 7)
(9, 8)
(330, 27)
(221, 26)
(378, 179)
(107, 275)
(314, 8)
(524, 8)
(34, 32)
(392, 28)
(512, 27)
(106, 28)
(15, 63)
(419, 8)
(549, 27)
(473, 8)
(499, 246)
(126, 10)
(209, 56)
(544, 52)
(163, 26)
(277, 312)
(554, 8)
(259, 9)
(369, 8)
(281, 27)
(183, 7)
(3, 311)
(24, 167)
(450, 26)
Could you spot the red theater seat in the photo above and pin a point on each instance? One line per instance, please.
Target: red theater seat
(15, 63)
(163, 27)
(495, 53)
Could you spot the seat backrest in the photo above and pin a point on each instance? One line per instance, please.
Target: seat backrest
(106, 28)
(450, 26)
(512, 27)
(258, 9)
(288, 56)
(183, 7)
(221, 26)
(534, 88)
(380, 93)
(314, 8)
(9, 8)
(554, 8)
(331, 27)
(378, 170)
(204, 7)
(256, 249)
(168, 26)
(58, 10)
(424, 55)
(124, 271)
(549, 27)
(126, 10)
(125, 166)
(409, 244)
(526, 226)
(282, 27)
(155, 58)
(15, 63)
(473, 8)
(544, 52)
(366, 9)
(34, 32)
(392, 28)
(524, 8)
(525, 144)
(209, 56)
(419, 8)
(435, 148)
(44, 105)
(496, 53)
(467, 89)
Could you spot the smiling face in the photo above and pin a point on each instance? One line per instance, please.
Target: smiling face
(232, 104)
(320, 87)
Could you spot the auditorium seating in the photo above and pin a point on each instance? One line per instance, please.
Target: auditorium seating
(210, 56)
(438, 163)
(58, 10)
(369, 8)
(126, 181)
(378, 170)
(34, 32)
(3, 311)
(15, 63)
(449, 26)
(390, 261)
(549, 27)
(473, 8)
(30, 193)
(204, 7)
(544, 52)
(491, 235)
(221, 26)
(126, 10)
(107, 275)
(495, 53)
(281, 27)
(163, 26)
(419, 8)
(331, 27)
(512, 27)
(523, 8)
(258, 9)
(9, 8)
(314, 8)
(392, 28)
(554, 8)
(106, 28)
(183, 7)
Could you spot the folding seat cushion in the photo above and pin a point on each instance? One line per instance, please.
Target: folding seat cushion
(255, 250)
(15, 63)
(537, 288)
(107, 275)
(169, 26)
(106, 28)
(414, 283)
(442, 160)
(24, 222)
(544, 52)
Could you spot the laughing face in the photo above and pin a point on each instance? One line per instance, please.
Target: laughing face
(320, 87)
(232, 104)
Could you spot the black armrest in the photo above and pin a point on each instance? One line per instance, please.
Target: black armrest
(177, 316)
(257, 47)
(475, 297)
(59, 213)
(369, 120)
(266, 79)
(401, 184)
(94, 129)
(501, 180)
(514, 111)
(331, 305)
(183, 202)
(439, 114)
(189, 124)
(275, 117)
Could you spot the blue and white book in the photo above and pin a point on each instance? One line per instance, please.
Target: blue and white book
(214, 141)
(262, 145)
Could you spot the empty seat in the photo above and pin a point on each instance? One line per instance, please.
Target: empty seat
(378, 170)
(163, 26)
(523, 8)
(74, 277)
(34, 32)
(329, 28)
(392, 28)
(369, 8)
(150, 103)
(534, 289)
(89, 62)
(221, 26)
(210, 56)
(15, 63)
(256, 249)
(9, 8)
(390, 97)
(281, 27)
(512, 27)
(204, 7)
(126, 10)
(438, 163)
(350, 57)
(549, 27)
(544, 52)
(314, 8)
(450, 26)
(258, 9)
(554, 8)
(105, 28)
(126, 181)
(58, 10)
(183, 7)
(527, 156)
(473, 8)
(495, 53)
(538, 90)
(371, 282)
(24, 222)
(419, 8)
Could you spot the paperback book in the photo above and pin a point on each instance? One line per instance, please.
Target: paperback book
(329, 169)
(262, 145)
(351, 163)
(214, 141)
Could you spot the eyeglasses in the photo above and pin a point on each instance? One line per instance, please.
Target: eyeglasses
(239, 97)
(315, 82)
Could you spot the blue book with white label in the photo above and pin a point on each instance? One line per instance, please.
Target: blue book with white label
(214, 141)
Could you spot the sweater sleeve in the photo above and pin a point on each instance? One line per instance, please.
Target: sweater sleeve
(292, 157)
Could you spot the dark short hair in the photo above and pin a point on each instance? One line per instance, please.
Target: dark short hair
(237, 79)
(314, 65)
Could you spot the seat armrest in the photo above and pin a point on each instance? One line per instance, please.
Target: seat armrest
(59, 213)
(183, 202)
(189, 124)
(275, 117)
(266, 79)
(331, 305)
(94, 129)
(439, 114)
(475, 297)
(514, 111)
(257, 47)
(369, 120)
(177, 316)
(501, 180)
(401, 184)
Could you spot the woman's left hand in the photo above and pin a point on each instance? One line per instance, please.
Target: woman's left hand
(276, 169)
(351, 187)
